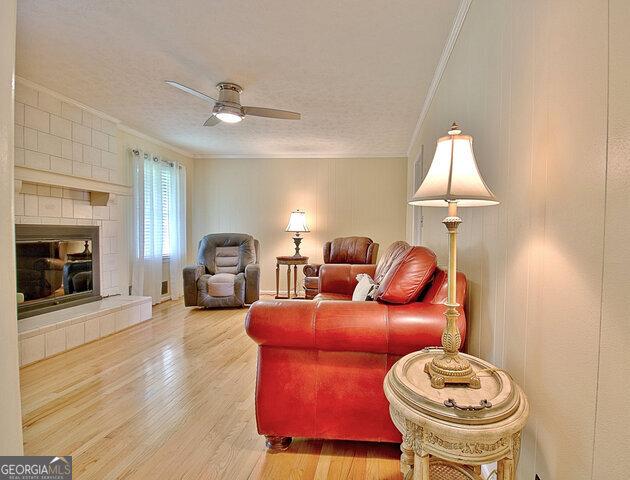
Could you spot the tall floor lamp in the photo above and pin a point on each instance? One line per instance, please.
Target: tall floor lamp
(453, 180)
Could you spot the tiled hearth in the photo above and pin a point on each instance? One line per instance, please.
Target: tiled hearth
(51, 333)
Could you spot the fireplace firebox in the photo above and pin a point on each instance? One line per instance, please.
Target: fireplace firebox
(57, 267)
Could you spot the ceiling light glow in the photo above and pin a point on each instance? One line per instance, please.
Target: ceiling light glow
(228, 117)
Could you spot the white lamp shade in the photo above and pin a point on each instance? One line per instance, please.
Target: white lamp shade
(297, 222)
(454, 176)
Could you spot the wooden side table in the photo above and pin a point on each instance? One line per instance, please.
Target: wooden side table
(449, 433)
(289, 261)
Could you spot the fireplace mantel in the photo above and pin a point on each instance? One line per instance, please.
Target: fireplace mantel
(99, 190)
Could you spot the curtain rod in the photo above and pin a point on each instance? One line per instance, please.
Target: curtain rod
(155, 158)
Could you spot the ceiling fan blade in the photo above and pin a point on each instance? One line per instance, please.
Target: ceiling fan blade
(192, 91)
(271, 113)
(212, 121)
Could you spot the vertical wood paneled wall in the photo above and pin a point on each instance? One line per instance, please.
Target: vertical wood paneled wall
(342, 197)
(549, 268)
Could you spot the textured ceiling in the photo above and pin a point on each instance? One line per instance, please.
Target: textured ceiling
(357, 70)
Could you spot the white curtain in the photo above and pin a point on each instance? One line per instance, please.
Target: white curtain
(177, 217)
(159, 225)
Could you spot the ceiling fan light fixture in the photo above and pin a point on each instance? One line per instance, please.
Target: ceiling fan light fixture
(229, 117)
(228, 113)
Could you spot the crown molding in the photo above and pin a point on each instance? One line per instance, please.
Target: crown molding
(157, 141)
(458, 22)
(296, 155)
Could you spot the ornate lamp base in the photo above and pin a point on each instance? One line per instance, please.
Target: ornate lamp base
(297, 240)
(449, 368)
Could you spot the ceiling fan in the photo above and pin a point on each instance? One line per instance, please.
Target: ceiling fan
(227, 108)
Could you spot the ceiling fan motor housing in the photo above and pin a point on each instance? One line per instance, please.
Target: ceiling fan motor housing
(229, 93)
(229, 99)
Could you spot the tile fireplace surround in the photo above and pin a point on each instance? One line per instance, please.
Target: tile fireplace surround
(68, 171)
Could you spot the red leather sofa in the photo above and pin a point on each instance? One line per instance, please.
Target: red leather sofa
(322, 362)
(352, 250)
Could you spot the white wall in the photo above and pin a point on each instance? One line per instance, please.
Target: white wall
(612, 422)
(342, 197)
(10, 418)
(529, 81)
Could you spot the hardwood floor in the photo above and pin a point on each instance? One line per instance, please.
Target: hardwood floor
(173, 398)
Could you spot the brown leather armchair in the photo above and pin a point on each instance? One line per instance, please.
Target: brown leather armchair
(344, 250)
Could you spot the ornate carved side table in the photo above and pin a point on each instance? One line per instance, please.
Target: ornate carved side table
(289, 261)
(449, 433)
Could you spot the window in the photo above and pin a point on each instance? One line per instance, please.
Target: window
(158, 226)
(158, 193)
(166, 205)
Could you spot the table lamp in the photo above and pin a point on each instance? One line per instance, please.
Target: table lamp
(453, 180)
(297, 225)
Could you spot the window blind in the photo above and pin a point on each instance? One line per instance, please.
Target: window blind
(157, 198)
(165, 176)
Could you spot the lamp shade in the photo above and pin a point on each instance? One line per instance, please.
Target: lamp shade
(297, 222)
(453, 175)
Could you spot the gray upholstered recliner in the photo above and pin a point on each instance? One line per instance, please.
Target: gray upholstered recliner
(227, 273)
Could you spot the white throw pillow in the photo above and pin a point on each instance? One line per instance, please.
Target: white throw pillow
(364, 289)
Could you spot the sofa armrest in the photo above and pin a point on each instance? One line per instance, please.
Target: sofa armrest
(418, 325)
(252, 283)
(345, 326)
(311, 270)
(191, 275)
(342, 278)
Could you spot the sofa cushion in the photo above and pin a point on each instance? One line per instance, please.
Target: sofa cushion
(393, 254)
(221, 285)
(226, 252)
(342, 278)
(226, 259)
(237, 299)
(407, 276)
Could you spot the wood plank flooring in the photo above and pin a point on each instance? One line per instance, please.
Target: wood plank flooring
(173, 398)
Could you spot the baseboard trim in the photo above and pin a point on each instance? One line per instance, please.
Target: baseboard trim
(268, 292)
